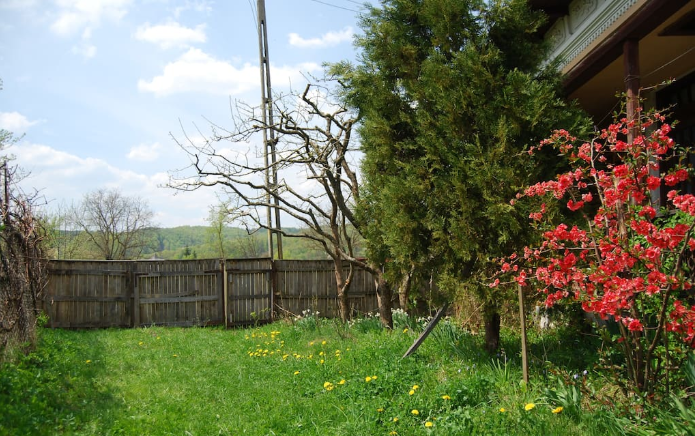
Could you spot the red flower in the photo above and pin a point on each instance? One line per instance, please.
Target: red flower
(635, 326)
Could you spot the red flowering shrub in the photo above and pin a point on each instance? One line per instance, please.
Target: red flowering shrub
(627, 263)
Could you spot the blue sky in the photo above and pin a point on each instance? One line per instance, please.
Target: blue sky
(97, 86)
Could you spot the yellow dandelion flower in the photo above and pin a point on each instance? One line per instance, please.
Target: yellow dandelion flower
(321, 353)
(296, 372)
(405, 330)
(529, 406)
(428, 424)
(393, 433)
(311, 343)
(158, 338)
(88, 361)
(373, 377)
(502, 410)
(412, 392)
(367, 379)
(446, 397)
(395, 419)
(379, 410)
(415, 412)
(176, 355)
(321, 361)
(140, 343)
(341, 382)
(323, 343)
(330, 388)
(557, 409)
(416, 387)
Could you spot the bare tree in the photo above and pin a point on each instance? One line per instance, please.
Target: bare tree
(65, 240)
(115, 224)
(23, 273)
(317, 182)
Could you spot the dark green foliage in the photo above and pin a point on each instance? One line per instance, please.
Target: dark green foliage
(451, 95)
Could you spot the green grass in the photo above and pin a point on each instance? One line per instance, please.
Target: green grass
(303, 378)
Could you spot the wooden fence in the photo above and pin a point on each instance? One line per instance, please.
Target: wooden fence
(96, 294)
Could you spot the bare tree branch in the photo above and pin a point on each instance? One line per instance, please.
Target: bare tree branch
(318, 182)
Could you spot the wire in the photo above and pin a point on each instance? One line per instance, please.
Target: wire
(253, 11)
(335, 6)
(669, 62)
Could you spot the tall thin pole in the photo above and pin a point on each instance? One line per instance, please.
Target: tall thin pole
(271, 176)
(522, 319)
(631, 71)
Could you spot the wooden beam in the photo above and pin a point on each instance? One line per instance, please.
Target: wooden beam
(631, 72)
(637, 27)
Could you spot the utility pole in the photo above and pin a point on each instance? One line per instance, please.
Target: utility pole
(269, 140)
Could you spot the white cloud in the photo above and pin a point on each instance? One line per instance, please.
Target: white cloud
(326, 40)
(197, 6)
(171, 34)
(197, 71)
(78, 15)
(84, 49)
(15, 122)
(64, 178)
(145, 152)
(17, 4)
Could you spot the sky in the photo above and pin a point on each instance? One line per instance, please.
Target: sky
(97, 88)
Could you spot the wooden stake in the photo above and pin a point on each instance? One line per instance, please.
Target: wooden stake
(413, 348)
(524, 352)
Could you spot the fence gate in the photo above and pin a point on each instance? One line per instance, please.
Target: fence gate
(249, 291)
(178, 293)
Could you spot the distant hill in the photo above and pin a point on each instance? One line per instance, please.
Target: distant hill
(196, 242)
(200, 242)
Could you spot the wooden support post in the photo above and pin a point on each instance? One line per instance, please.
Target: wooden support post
(223, 290)
(273, 288)
(631, 72)
(433, 323)
(524, 351)
(136, 295)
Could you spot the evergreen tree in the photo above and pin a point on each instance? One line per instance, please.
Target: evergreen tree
(451, 94)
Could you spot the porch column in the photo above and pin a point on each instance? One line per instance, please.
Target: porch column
(632, 81)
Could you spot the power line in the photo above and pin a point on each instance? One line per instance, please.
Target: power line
(335, 6)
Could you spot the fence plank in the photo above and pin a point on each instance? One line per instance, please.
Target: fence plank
(94, 294)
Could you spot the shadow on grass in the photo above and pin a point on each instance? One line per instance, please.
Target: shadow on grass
(55, 389)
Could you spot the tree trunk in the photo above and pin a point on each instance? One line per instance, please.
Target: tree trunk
(492, 330)
(343, 286)
(404, 291)
(383, 296)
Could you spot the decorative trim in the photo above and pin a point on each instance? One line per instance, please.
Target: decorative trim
(590, 25)
(557, 34)
(580, 11)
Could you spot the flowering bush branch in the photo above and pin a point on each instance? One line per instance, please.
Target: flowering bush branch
(628, 263)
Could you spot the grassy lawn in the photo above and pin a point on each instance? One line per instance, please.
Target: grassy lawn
(306, 377)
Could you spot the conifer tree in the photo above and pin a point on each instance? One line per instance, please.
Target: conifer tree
(451, 93)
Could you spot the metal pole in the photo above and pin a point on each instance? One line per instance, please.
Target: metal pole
(269, 140)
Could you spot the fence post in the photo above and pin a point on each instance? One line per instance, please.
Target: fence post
(223, 290)
(273, 289)
(135, 292)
